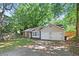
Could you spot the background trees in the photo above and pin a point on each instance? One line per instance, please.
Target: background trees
(32, 15)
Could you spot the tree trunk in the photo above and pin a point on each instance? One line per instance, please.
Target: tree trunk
(1, 25)
(77, 23)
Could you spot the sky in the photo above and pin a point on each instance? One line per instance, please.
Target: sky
(7, 13)
(11, 6)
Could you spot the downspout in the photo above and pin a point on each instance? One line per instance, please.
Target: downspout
(40, 34)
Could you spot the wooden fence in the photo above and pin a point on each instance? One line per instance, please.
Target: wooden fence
(70, 35)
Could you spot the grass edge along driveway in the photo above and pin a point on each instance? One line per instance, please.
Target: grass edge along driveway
(11, 44)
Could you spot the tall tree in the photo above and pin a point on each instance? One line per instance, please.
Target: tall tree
(77, 23)
(3, 8)
(32, 15)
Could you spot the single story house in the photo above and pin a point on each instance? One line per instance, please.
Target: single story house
(49, 32)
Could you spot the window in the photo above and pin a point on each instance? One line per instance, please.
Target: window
(35, 33)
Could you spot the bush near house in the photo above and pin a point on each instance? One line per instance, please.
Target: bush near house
(74, 47)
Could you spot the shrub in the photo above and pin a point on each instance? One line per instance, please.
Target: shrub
(75, 39)
(74, 47)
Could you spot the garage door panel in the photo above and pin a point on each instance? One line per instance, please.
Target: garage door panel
(56, 36)
(44, 35)
(52, 35)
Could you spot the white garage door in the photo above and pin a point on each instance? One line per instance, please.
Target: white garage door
(57, 36)
(52, 36)
(45, 35)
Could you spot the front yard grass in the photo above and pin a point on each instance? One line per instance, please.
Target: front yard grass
(11, 44)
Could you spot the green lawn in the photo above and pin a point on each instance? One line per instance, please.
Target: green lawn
(11, 44)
